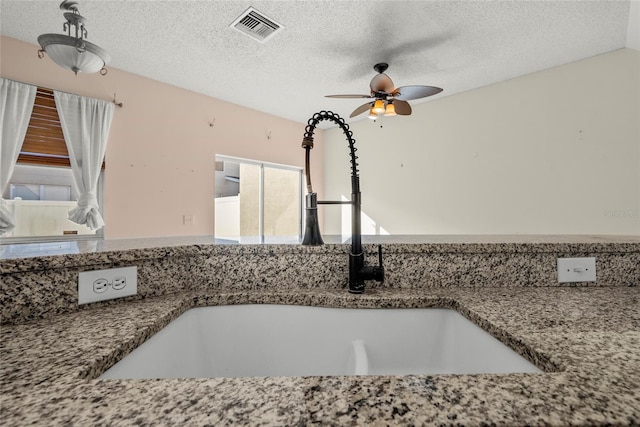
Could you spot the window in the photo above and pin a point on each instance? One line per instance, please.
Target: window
(41, 192)
(257, 201)
(44, 142)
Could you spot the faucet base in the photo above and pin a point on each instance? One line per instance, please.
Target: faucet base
(356, 289)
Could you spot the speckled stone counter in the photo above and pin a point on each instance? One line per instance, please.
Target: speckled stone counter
(43, 281)
(586, 339)
(585, 336)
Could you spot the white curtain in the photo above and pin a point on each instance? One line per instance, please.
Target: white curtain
(16, 105)
(85, 124)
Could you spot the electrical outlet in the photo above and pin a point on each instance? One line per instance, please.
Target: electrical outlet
(576, 270)
(100, 285)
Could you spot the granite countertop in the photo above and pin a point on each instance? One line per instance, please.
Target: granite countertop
(496, 242)
(586, 339)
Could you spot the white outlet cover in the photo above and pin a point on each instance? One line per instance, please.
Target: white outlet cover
(576, 270)
(86, 280)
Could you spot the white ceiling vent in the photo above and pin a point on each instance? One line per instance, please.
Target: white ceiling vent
(256, 25)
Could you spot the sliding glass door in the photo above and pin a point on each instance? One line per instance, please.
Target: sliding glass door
(257, 202)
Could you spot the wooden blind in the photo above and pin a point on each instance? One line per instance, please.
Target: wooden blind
(44, 142)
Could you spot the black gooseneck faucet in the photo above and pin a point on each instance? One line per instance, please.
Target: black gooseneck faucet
(358, 270)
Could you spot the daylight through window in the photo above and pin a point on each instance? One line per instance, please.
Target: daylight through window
(257, 202)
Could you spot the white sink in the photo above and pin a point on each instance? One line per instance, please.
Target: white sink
(285, 340)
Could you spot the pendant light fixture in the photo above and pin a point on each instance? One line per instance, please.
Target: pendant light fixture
(72, 51)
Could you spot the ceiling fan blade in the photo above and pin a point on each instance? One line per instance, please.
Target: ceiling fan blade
(361, 109)
(381, 83)
(347, 96)
(406, 93)
(402, 107)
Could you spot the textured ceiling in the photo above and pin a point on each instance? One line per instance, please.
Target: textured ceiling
(330, 47)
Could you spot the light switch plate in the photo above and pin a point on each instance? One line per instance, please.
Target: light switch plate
(576, 270)
(100, 285)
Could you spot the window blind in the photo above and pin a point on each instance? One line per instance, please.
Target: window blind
(44, 143)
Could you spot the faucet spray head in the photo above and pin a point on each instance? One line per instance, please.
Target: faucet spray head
(312, 227)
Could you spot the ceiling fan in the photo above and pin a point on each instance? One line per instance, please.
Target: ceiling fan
(386, 99)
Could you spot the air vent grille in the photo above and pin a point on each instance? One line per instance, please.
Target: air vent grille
(256, 25)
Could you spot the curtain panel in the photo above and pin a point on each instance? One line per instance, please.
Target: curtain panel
(16, 105)
(85, 123)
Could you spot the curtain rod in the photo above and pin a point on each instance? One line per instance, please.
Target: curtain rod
(117, 104)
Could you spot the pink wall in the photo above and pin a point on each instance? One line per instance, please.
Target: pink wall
(161, 151)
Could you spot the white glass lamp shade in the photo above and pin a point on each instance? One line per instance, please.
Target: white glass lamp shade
(63, 50)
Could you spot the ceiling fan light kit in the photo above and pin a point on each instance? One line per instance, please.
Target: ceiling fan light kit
(388, 100)
(378, 107)
(72, 51)
(390, 110)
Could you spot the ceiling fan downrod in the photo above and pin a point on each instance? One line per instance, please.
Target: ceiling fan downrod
(381, 67)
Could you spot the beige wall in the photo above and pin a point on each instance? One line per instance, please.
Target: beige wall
(161, 151)
(553, 152)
